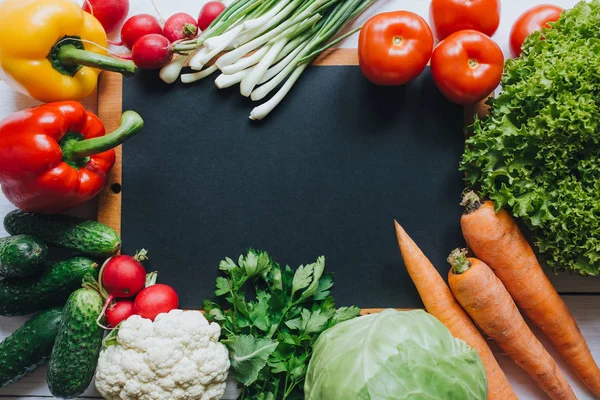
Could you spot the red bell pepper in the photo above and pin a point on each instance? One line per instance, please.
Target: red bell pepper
(56, 156)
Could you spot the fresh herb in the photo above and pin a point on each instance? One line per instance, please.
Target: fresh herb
(538, 152)
(270, 337)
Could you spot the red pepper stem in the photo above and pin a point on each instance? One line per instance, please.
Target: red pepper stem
(70, 55)
(131, 123)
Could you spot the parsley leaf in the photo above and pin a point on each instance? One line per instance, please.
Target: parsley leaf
(302, 278)
(223, 286)
(248, 356)
(345, 313)
(318, 268)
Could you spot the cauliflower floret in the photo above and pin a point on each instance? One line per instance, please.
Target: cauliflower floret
(176, 357)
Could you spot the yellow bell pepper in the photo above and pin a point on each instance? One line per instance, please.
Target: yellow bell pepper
(52, 50)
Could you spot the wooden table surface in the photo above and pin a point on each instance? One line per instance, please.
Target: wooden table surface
(581, 294)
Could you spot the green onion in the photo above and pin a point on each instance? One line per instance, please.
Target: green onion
(268, 43)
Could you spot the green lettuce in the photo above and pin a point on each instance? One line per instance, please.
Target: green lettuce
(538, 152)
(394, 355)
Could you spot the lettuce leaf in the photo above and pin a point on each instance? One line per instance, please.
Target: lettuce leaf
(538, 152)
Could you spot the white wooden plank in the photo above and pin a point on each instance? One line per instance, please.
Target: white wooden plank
(584, 308)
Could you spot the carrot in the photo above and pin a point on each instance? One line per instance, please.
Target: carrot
(440, 303)
(495, 239)
(487, 301)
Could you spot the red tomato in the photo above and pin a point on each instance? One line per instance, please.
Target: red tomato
(531, 21)
(467, 66)
(449, 16)
(394, 47)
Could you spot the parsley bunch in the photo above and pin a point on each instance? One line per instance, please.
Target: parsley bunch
(538, 152)
(270, 332)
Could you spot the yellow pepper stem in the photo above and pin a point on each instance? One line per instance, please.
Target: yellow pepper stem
(70, 55)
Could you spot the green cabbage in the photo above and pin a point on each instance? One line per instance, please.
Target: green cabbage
(538, 152)
(394, 355)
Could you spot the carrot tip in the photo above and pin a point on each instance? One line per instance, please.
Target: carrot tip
(470, 201)
(458, 260)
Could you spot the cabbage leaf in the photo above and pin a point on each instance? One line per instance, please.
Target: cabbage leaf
(394, 355)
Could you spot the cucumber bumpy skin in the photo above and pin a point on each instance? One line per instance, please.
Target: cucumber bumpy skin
(29, 346)
(75, 355)
(25, 296)
(84, 236)
(22, 256)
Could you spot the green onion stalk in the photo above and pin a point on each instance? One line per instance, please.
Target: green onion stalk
(264, 45)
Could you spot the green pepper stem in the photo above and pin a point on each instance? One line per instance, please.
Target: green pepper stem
(131, 123)
(70, 55)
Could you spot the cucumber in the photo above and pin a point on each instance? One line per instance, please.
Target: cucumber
(75, 354)
(84, 236)
(22, 256)
(52, 288)
(29, 346)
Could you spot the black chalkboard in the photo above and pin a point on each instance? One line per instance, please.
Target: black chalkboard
(325, 174)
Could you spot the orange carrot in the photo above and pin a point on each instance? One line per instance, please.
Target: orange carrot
(440, 303)
(487, 301)
(496, 239)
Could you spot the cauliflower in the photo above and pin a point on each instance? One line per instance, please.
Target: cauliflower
(176, 357)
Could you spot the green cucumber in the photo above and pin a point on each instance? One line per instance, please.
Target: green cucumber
(75, 355)
(84, 236)
(52, 288)
(22, 256)
(29, 346)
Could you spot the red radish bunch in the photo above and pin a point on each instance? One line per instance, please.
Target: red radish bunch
(138, 26)
(209, 13)
(180, 26)
(124, 278)
(110, 13)
(151, 44)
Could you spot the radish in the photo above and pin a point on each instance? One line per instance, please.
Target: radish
(118, 312)
(180, 26)
(138, 26)
(152, 51)
(209, 13)
(122, 277)
(110, 13)
(154, 300)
